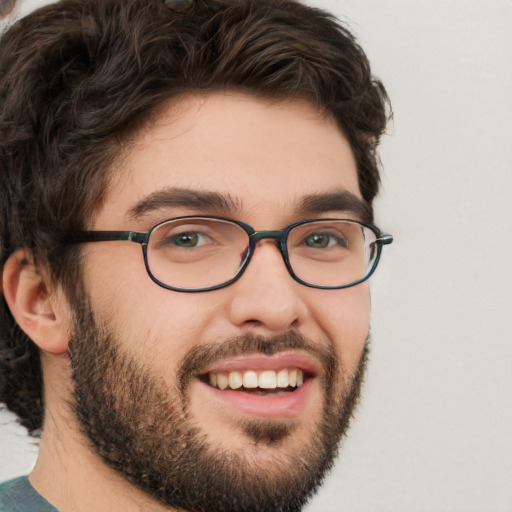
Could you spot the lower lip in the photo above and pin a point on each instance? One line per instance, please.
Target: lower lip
(287, 406)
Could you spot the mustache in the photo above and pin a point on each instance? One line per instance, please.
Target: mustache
(202, 356)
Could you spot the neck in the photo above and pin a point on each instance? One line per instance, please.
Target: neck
(74, 478)
(70, 474)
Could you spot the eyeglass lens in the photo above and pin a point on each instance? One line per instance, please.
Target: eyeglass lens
(200, 252)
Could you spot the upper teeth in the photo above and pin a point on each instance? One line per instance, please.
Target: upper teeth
(251, 379)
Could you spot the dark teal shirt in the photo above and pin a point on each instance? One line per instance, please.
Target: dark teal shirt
(18, 495)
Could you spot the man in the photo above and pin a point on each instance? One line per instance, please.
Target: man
(186, 240)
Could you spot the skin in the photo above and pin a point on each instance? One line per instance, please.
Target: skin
(266, 157)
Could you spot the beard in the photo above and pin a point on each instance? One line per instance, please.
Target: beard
(144, 430)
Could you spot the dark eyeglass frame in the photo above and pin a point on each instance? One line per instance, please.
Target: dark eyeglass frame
(281, 236)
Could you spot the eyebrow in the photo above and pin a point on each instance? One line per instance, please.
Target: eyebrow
(341, 200)
(172, 197)
(314, 204)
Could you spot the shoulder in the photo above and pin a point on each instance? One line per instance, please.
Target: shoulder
(18, 495)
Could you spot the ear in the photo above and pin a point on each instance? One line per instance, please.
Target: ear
(41, 311)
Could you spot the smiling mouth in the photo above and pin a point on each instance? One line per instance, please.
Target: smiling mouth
(257, 382)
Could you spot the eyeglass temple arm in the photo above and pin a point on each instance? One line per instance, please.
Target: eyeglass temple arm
(107, 236)
(385, 239)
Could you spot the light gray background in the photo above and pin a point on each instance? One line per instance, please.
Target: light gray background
(433, 431)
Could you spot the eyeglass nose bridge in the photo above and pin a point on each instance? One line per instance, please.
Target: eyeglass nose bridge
(279, 236)
(256, 236)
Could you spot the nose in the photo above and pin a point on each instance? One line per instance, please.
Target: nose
(266, 300)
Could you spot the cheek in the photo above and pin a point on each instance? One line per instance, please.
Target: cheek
(174, 323)
(345, 318)
(156, 325)
(124, 296)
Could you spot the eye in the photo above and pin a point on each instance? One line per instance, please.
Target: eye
(187, 239)
(324, 240)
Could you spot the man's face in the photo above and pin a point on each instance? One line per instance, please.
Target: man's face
(146, 356)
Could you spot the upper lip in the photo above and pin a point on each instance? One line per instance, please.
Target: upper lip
(260, 362)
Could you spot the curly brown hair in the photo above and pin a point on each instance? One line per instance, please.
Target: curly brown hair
(79, 76)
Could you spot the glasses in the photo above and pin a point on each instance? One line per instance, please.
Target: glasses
(197, 254)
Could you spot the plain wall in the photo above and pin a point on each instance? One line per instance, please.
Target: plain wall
(434, 428)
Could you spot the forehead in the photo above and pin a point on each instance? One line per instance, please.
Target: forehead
(264, 155)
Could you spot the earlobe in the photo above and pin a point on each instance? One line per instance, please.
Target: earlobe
(38, 309)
